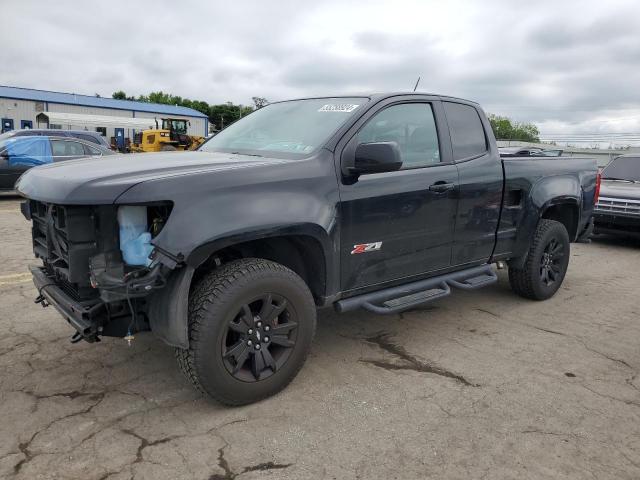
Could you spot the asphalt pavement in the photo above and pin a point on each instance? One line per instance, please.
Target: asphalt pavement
(479, 385)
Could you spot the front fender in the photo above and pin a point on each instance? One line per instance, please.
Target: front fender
(213, 210)
(209, 209)
(318, 233)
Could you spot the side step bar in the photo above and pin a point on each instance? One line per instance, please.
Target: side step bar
(397, 299)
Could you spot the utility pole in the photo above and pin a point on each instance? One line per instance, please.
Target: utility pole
(221, 122)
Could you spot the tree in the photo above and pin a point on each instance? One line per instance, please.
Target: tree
(506, 129)
(225, 114)
(221, 115)
(120, 95)
(259, 102)
(164, 98)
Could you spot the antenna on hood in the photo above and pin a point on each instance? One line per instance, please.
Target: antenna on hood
(415, 88)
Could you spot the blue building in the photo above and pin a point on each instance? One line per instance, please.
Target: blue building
(119, 119)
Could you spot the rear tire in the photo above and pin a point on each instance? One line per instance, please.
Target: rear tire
(168, 148)
(546, 264)
(251, 324)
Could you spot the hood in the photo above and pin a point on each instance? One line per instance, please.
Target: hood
(618, 189)
(101, 181)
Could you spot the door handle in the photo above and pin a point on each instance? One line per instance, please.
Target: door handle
(441, 187)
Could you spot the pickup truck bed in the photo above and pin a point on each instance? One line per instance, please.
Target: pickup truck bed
(383, 202)
(554, 180)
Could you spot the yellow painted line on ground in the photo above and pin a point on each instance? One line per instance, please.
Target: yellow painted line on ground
(15, 278)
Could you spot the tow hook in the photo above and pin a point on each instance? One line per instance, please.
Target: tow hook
(76, 337)
(42, 301)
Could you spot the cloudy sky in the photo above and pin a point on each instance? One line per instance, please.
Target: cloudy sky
(569, 66)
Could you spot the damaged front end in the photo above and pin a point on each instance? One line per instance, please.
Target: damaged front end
(100, 269)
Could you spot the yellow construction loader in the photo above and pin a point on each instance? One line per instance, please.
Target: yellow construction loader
(172, 136)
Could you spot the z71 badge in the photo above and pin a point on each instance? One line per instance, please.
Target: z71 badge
(366, 247)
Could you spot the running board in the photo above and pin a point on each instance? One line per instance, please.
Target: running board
(397, 299)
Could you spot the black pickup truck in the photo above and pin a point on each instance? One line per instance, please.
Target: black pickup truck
(382, 202)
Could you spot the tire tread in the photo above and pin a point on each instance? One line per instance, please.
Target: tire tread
(210, 290)
(522, 280)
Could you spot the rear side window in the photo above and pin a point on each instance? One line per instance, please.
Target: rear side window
(89, 150)
(67, 148)
(75, 148)
(467, 133)
(88, 138)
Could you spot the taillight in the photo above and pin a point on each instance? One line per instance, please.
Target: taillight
(598, 181)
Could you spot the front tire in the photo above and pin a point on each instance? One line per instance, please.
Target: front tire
(546, 264)
(251, 324)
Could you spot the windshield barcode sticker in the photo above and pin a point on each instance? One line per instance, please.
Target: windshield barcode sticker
(338, 107)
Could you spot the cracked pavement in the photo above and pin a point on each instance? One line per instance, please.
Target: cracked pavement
(477, 385)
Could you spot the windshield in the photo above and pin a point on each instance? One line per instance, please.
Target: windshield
(287, 129)
(623, 168)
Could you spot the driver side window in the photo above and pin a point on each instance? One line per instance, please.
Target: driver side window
(412, 126)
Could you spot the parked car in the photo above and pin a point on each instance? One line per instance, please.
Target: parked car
(20, 153)
(618, 209)
(92, 137)
(529, 152)
(383, 202)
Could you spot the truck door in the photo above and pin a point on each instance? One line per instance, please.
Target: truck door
(399, 224)
(480, 171)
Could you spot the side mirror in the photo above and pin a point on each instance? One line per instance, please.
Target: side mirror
(376, 157)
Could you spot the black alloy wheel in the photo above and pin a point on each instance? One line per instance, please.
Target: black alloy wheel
(251, 324)
(551, 262)
(259, 340)
(546, 262)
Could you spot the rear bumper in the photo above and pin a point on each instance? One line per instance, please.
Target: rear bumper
(83, 317)
(617, 224)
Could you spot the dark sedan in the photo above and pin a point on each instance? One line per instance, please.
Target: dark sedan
(91, 137)
(618, 209)
(19, 153)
